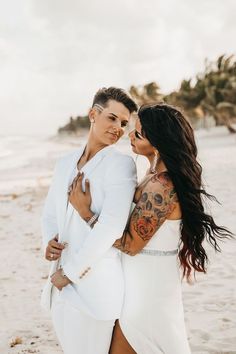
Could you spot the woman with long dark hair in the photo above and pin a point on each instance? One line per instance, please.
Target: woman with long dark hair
(167, 228)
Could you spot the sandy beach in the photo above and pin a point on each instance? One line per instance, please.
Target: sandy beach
(26, 165)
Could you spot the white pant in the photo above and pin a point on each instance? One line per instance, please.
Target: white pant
(77, 332)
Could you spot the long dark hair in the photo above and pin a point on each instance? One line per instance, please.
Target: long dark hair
(171, 134)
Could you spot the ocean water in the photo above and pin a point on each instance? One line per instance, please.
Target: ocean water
(15, 151)
(27, 161)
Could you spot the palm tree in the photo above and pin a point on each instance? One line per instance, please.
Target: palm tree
(148, 93)
(214, 93)
(219, 80)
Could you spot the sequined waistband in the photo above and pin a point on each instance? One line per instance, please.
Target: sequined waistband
(158, 253)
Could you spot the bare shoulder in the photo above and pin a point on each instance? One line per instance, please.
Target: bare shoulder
(156, 203)
(158, 196)
(161, 183)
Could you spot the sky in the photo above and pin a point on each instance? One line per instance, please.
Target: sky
(55, 54)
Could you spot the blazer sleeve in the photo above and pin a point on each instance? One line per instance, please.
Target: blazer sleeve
(49, 224)
(119, 185)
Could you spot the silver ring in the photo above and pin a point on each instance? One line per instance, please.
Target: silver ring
(51, 255)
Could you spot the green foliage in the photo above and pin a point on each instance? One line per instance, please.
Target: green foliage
(210, 93)
(148, 93)
(74, 125)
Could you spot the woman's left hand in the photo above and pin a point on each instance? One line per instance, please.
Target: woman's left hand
(80, 200)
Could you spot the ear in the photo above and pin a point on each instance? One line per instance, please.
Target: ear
(92, 114)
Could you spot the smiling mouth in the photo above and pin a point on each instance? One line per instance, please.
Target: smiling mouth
(114, 135)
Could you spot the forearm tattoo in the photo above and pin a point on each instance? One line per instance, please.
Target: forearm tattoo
(124, 243)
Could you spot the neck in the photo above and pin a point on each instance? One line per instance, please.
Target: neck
(92, 147)
(155, 163)
(150, 159)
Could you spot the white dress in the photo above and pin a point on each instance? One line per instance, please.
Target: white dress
(152, 318)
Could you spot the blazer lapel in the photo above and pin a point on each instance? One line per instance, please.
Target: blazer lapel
(87, 169)
(67, 170)
(90, 166)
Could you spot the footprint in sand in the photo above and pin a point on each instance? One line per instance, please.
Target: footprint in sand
(225, 320)
(203, 335)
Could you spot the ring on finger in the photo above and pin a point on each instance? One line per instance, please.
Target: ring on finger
(51, 255)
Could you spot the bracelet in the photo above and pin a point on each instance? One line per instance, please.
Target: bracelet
(92, 220)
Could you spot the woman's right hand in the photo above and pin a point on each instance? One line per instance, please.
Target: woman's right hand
(79, 199)
(54, 249)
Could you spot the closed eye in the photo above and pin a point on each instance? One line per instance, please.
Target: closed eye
(138, 135)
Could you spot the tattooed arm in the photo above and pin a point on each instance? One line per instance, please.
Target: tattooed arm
(157, 202)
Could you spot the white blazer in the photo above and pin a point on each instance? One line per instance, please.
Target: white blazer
(89, 260)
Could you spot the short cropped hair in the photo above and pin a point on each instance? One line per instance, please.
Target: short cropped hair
(117, 94)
